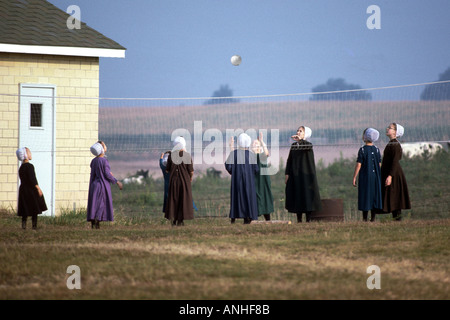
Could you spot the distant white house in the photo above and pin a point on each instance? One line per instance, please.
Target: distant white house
(46, 73)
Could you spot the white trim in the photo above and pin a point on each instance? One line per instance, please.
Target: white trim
(64, 51)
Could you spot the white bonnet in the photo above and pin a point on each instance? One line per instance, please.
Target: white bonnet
(308, 132)
(21, 154)
(179, 143)
(97, 149)
(400, 130)
(244, 140)
(371, 135)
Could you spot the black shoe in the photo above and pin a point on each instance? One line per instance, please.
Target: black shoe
(24, 224)
(308, 217)
(34, 222)
(233, 220)
(397, 215)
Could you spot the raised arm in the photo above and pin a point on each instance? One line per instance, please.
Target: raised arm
(263, 145)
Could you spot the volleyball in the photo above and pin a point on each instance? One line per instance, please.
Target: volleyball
(236, 60)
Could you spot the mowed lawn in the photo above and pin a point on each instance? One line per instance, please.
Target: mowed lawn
(209, 258)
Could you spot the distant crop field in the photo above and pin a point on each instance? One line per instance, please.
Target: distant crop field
(336, 120)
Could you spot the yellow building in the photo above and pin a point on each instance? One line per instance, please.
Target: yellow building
(49, 89)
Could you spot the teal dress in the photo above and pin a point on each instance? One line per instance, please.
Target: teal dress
(369, 182)
(263, 187)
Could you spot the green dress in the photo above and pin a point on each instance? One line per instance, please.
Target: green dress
(263, 187)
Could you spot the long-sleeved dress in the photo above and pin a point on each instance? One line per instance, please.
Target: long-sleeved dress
(179, 204)
(302, 189)
(100, 205)
(242, 166)
(166, 176)
(263, 185)
(29, 202)
(395, 196)
(369, 180)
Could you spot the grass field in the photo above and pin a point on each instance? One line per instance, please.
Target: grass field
(141, 256)
(211, 259)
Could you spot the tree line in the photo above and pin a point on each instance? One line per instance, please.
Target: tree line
(339, 89)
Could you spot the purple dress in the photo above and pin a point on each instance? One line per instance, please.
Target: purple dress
(100, 205)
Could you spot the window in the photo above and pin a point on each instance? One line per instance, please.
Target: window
(36, 115)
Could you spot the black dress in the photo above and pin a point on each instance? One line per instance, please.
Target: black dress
(302, 189)
(395, 196)
(30, 203)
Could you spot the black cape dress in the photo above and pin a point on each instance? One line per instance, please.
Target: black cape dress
(302, 189)
(29, 202)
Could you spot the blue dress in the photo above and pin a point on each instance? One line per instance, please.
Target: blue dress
(243, 167)
(369, 182)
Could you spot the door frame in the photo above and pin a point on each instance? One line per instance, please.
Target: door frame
(22, 86)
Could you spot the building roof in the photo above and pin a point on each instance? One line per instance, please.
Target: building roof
(37, 26)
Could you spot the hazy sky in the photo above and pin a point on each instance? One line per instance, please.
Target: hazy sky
(182, 48)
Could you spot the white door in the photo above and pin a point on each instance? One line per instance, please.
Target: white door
(37, 132)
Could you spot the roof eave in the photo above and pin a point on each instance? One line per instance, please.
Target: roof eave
(64, 51)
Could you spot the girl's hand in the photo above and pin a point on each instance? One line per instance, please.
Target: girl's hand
(388, 181)
(263, 145)
(295, 137)
(286, 178)
(354, 182)
(120, 185)
(232, 143)
(39, 191)
(162, 155)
